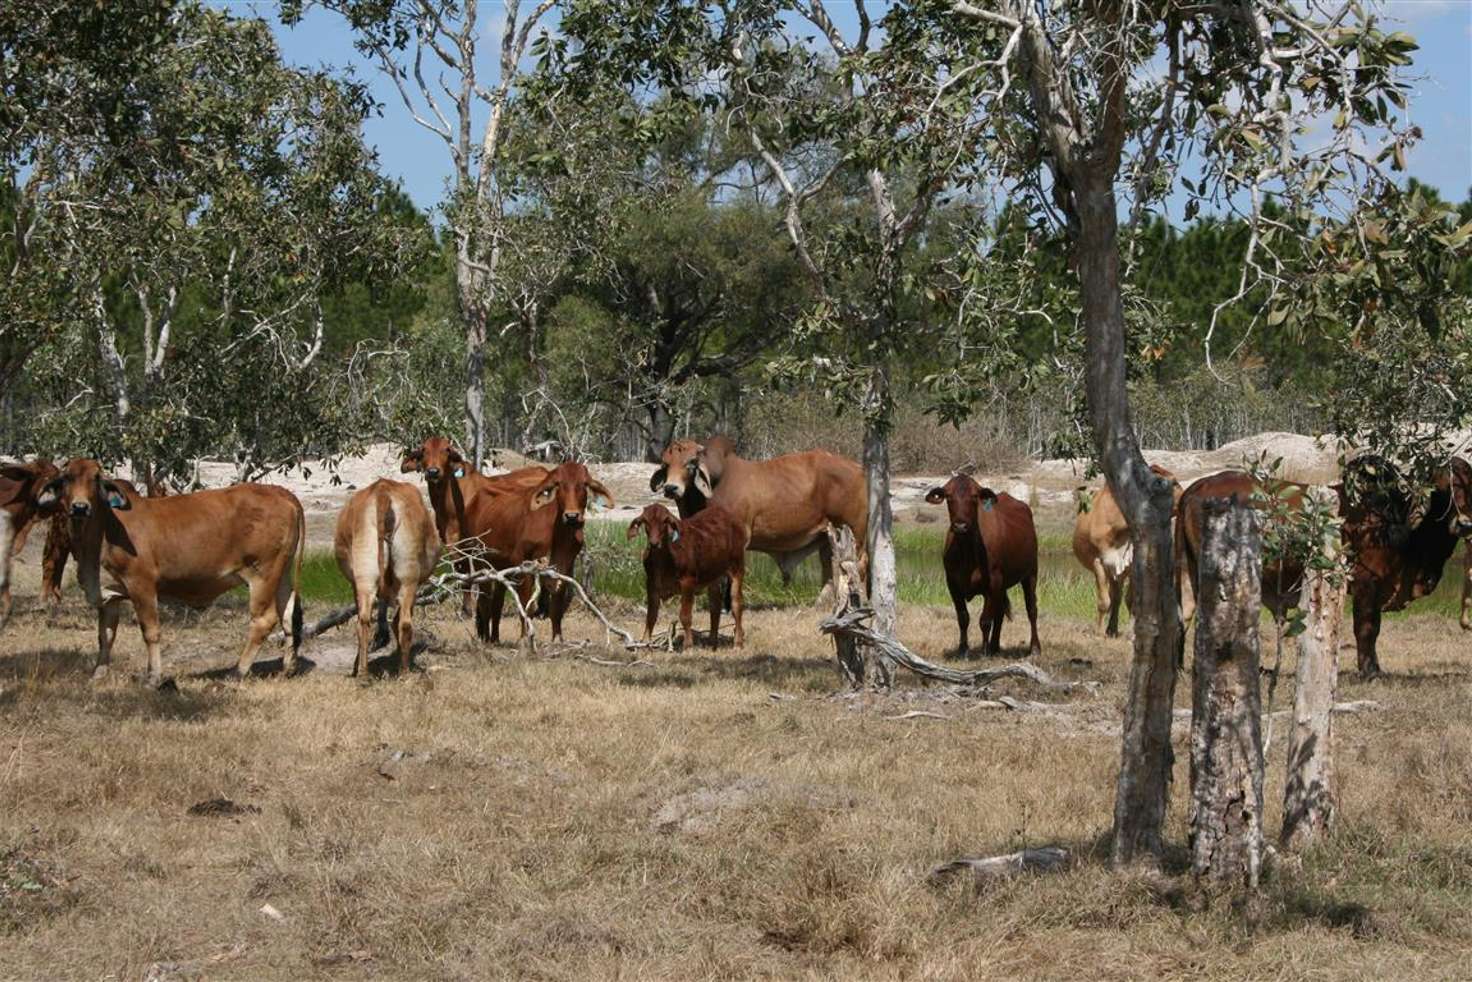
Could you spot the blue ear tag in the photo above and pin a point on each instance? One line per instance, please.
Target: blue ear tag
(675, 536)
(115, 500)
(459, 472)
(986, 505)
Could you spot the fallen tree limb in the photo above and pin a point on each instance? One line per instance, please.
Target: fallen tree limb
(851, 624)
(919, 714)
(1044, 859)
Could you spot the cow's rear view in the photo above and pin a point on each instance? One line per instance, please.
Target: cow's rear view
(386, 547)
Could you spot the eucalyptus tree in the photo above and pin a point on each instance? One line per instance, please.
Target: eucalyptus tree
(437, 54)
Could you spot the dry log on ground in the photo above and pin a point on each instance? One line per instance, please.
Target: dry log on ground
(1044, 859)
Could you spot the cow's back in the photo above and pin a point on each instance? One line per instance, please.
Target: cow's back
(785, 501)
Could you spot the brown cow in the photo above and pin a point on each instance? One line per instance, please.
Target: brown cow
(386, 547)
(784, 504)
(991, 545)
(1398, 551)
(188, 547)
(20, 484)
(453, 485)
(545, 521)
(1281, 581)
(684, 555)
(1102, 544)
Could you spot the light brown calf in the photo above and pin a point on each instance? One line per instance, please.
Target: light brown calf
(188, 547)
(1102, 545)
(20, 484)
(386, 547)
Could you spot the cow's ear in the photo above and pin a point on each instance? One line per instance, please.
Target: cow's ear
(935, 495)
(413, 461)
(656, 480)
(456, 457)
(599, 497)
(635, 526)
(703, 482)
(50, 495)
(545, 494)
(116, 499)
(13, 480)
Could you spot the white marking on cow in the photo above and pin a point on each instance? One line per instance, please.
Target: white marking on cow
(1117, 560)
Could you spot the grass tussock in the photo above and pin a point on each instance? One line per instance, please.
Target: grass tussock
(499, 815)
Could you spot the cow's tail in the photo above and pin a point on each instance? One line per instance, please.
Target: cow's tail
(387, 523)
(298, 615)
(1006, 605)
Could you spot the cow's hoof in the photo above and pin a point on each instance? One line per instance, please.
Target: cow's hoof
(237, 675)
(161, 683)
(959, 652)
(1034, 651)
(99, 673)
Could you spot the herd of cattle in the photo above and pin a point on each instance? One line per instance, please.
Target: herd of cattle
(193, 547)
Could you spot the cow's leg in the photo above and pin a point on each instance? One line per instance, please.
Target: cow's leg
(1030, 598)
(1366, 632)
(963, 619)
(263, 619)
(1116, 591)
(53, 562)
(404, 627)
(651, 610)
(365, 592)
(469, 603)
(715, 596)
(738, 605)
(11, 542)
(687, 613)
(999, 614)
(145, 609)
(107, 632)
(826, 586)
(524, 588)
(1101, 594)
(1467, 591)
(488, 608)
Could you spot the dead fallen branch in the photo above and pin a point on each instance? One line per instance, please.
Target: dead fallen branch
(1044, 859)
(851, 624)
(919, 714)
(1015, 705)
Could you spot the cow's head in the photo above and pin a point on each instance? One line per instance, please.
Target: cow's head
(658, 524)
(572, 489)
(1456, 482)
(23, 483)
(82, 490)
(436, 458)
(686, 464)
(964, 499)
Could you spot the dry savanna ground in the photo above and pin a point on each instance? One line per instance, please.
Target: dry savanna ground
(706, 814)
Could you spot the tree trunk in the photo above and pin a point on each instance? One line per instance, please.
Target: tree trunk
(474, 317)
(883, 586)
(661, 430)
(848, 594)
(1226, 709)
(1143, 789)
(1308, 796)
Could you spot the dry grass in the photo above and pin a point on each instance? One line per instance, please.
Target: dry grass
(551, 818)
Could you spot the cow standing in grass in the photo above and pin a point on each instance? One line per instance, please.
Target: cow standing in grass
(20, 485)
(991, 546)
(687, 555)
(386, 547)
(1103, 545)
(188, 547)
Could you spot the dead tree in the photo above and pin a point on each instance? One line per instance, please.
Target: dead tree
(848, 595)
(1308, 795)
(1226, 714)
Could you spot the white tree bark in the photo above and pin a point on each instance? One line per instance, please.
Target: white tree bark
(1226, 713)
(1308, 795)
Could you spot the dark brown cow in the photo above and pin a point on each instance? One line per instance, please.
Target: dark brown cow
(1281, 581)
(685, 555)
(453, 486)
(1398, 551)
(188, 547)
(784, 504)
(544, 521)
(991, 546)
(1102, 544)
(20, 485)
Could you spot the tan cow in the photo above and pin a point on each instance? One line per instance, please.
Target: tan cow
(1102, 545)
(784, 504)
(20, 484)
(386, 547)
(188, 547)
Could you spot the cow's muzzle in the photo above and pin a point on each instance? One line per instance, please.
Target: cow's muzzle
(573, 518)
(433, 473)
(1464, 527)
(80, 509)
(672, 491)
(960, 527)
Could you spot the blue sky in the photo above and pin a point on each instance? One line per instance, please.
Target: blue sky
(1442, 105)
